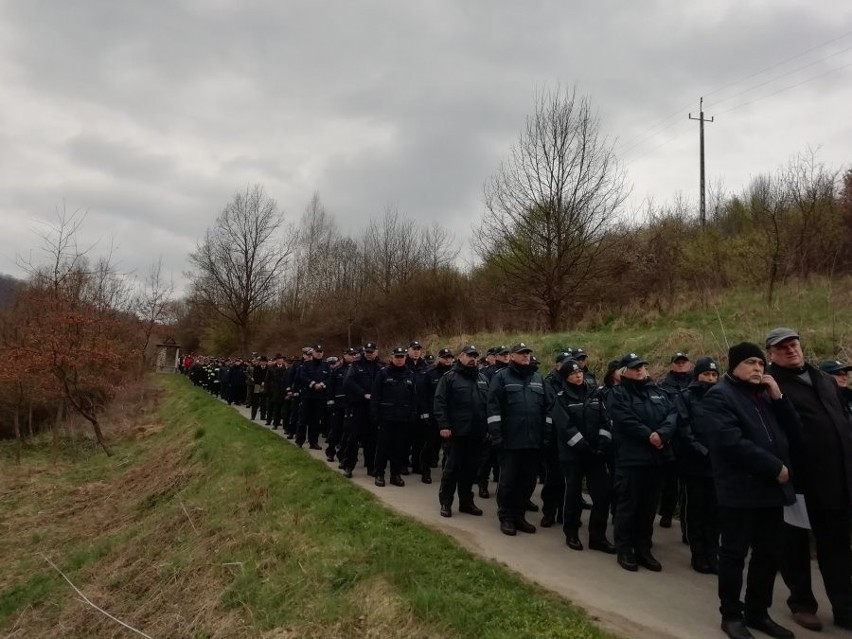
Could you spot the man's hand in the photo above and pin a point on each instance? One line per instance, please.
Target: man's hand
(772, 386)
(655, 440)
(445, 433)
(367, 396)
(784, 475)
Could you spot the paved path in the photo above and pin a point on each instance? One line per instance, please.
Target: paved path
(675, 604)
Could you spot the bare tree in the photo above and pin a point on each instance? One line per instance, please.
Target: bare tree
(439, 249)
(392, 250)
(549, 204)
(152, 301)
(239, 264)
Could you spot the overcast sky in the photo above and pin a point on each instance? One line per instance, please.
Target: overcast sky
(150, 115)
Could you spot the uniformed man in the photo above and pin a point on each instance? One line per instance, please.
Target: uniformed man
(489, 465)
(519, 425)
(358, 385)
(275, 391)
(337, 404)
(416, 432)
(460, 408)
(258, 389)
(840, 372)
(393, 406)
(314, 377)
(432, 442)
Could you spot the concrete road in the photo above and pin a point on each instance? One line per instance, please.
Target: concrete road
(677, 603)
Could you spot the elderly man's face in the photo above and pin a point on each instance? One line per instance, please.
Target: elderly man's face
(749, 370)
(522, 358)
(787, 354)
(502, 357)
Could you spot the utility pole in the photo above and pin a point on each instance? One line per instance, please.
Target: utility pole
(702, 211)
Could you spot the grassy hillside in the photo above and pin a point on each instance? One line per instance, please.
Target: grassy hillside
(203, 525)
(700, 324)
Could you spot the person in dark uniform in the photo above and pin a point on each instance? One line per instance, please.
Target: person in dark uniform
(840, 372)
(519, 425)
(459, 408)
(580, 355)
(692, 451)
(393, 405)
(358, 386)
(314, 378)
(431, 440)
(489, 465)
(553, 490)
(275, 391)
(258, 387)
(416, 432)
(294, 393)
(237, 382)
(822, 473)
(584, 439)
(748, 421)
(644, 419)
(676, 380)
(337, 404)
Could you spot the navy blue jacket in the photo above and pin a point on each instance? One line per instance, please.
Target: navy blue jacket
(518, 409)
(692, 442)
(460, 402)
(314, 371)
(359, 379)
(748, 443)
(394, 395)
(637, 409)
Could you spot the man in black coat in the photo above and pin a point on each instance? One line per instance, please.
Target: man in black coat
(676, 380)
(393, 405)
(823, 472)
(358, 386)
(420, 424)
(314, 379)
(275, 391)
(432, 441)
(336, 412)
(749, 422)
(489, 464)
(459, 408)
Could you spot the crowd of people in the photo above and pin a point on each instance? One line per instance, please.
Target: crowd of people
(754, 461)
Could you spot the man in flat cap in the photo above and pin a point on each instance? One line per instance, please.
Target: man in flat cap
(822, 471)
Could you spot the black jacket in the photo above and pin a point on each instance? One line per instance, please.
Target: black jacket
(359, 381)
(748, 444)
(394, 395)
(581, 422)
(275, 382)
(421, 380)
(638, 409)
(518, 409)
(692, 442)
(312, 372)
(676, 382)
(823, 464)
(460, 402)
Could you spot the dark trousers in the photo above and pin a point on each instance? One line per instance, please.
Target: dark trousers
(416, 440)
(669, 494)
(336, 414)
(831, 534)
(760, 529)
(699, 515)
(291, 423)
(518, 476)
(598, 481)
(489, 464)
(361, 433)
(463, 455)
(274, 405)
(391, 446)
(553, 491)
(431, 446)
(310, 421)
(258, 404)
(638, 494)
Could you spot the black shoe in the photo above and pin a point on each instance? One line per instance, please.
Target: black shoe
(380, 480)
(315, 447)
(627, 560)
(767, 626)
(701, 564)
(586, 505)
(483, 491)
(547, 521)
(524, 526)
(405, 471)
(573, 542)
(470, 509)
(426, 477)
(396, 480)
(370, 472)
(347, 472)
(531, 507)
(665, 522)
(736, 629)
(290, 436)
(603, 545)
(840, 622)
(645, 559)
(446, 510)
(330, 458)
(507, 527)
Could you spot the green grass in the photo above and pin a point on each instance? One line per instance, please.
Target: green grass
(700, 323)
(216, 528)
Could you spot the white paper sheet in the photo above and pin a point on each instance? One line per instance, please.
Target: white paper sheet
(797, 514)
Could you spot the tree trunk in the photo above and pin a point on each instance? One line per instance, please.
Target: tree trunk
(30, 421)
(20, 447)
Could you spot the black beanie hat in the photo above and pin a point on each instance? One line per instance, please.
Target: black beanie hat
(742, 351)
